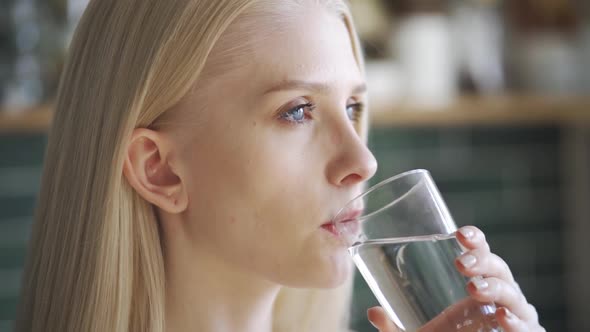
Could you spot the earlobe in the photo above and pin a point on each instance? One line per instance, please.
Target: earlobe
(151, 174)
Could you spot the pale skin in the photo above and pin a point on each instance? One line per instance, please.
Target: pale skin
(252, 167)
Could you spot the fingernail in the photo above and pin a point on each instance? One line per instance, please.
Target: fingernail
(374, 325)
(467, 232)
(480, 284)
(369, 318)
(467, 260)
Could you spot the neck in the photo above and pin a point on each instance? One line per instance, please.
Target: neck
(204, 293)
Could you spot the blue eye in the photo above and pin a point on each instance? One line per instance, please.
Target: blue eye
(354, 111)
(298, 114)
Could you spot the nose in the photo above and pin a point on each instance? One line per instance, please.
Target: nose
(353, 162)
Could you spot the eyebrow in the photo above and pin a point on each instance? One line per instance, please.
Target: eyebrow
(310, 86)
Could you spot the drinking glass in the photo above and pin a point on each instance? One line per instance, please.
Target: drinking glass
(401, 237)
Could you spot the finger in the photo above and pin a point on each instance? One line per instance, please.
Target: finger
(472, 237)
(502, 293)
(509, 322)
(380, 321)
(481, 262)
(466, 312)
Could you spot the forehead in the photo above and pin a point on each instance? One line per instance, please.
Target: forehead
(311, 44)
(316, 46)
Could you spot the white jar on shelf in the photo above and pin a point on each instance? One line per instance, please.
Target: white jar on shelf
(424, 47)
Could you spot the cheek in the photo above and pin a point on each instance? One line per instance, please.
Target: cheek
(258, 203)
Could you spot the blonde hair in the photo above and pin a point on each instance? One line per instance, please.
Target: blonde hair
(95, 260)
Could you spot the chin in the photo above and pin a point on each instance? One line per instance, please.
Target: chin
(338, 274)
(325, 272)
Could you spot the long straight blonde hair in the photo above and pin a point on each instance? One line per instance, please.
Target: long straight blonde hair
(95, 260)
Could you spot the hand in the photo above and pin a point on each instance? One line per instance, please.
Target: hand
(514, 313)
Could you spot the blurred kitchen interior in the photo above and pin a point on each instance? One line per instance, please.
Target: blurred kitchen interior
(491, 96)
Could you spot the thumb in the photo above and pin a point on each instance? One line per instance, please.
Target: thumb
(379, 319)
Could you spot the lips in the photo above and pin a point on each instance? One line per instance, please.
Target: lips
(330, 227)
(347, 222)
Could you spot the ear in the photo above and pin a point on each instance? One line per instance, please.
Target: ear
(150, 172)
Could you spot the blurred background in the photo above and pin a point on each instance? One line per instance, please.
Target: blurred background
(491, 96)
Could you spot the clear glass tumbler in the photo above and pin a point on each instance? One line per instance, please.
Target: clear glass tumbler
(401, 237)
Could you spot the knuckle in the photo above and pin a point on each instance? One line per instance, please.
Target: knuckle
(519, 295)
(501, 285)
(478, 253)
(500, 263)
(480, 235)
(485, 246)
(533, 312)
(504, 292)
(475, 229)
(496, 289)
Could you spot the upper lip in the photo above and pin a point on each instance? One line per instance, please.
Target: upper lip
(345, 216)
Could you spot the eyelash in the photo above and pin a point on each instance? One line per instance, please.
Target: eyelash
(357, 112)
(307, 114)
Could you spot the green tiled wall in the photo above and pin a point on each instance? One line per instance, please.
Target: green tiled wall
(504, 180)
(20, 173)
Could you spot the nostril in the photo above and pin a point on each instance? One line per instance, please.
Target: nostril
(351, 179)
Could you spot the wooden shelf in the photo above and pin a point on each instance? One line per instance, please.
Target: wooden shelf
(467, 111)
(31, 120)
(488, 111)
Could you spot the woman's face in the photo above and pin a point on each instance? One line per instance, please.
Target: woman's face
(270, 152)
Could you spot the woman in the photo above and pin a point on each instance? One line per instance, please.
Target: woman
(197, 151)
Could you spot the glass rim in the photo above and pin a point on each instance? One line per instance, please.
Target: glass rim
(376, 187)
